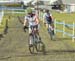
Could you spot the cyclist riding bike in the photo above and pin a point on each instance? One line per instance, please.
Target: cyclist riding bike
(48, 21)
(32, 20)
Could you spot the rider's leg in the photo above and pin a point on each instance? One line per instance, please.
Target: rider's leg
(30, 35)
(52, 28)
(37, 32)
(48, 27)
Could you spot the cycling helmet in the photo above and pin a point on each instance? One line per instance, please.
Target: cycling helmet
(29, 10)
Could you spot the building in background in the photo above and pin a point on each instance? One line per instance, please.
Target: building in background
(64, 5)
(69, 5)
(43, 4)
(6, 2)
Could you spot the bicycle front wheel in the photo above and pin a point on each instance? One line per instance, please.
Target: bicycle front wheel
(31, 44)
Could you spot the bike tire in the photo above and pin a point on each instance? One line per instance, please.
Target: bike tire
(41, 47)
(31, 48)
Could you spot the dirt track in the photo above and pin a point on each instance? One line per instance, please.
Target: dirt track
(14, 46)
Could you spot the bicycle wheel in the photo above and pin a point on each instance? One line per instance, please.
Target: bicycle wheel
(38, 44)
(41, 47)
(51, 35)
(31, 44)
(35, 42)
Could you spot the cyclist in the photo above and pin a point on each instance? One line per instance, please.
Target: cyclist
(33, 21)
(48, 21)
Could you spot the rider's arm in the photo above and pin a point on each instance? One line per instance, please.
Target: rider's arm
(37, 19)
(52, 17)
(25, 21)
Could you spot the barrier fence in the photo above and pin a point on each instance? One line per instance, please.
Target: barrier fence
(69, 26)
(72, 26)
(1, 16)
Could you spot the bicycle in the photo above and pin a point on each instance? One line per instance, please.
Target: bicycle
(37, 44)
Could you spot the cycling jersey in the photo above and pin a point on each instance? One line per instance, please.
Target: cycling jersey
(31, 19)
(48, 18)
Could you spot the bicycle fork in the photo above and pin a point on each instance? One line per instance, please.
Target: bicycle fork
(33, 44)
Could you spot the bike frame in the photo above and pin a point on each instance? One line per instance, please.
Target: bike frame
(34, 33)
(39, 46)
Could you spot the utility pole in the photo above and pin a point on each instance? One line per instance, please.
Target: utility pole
(37, 8)
(37, 4)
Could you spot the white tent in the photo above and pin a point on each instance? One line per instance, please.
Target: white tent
(70, 5)
(50, 1)
(26, 1)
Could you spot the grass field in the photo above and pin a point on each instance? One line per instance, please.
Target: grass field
(67, 17)
(14, 46)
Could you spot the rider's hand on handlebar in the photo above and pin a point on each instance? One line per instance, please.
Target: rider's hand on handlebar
(24, 28)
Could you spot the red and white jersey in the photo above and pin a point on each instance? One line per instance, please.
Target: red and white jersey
(32, 20)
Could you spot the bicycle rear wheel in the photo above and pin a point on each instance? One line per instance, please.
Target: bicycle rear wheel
(41, 47)
(51, 35)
